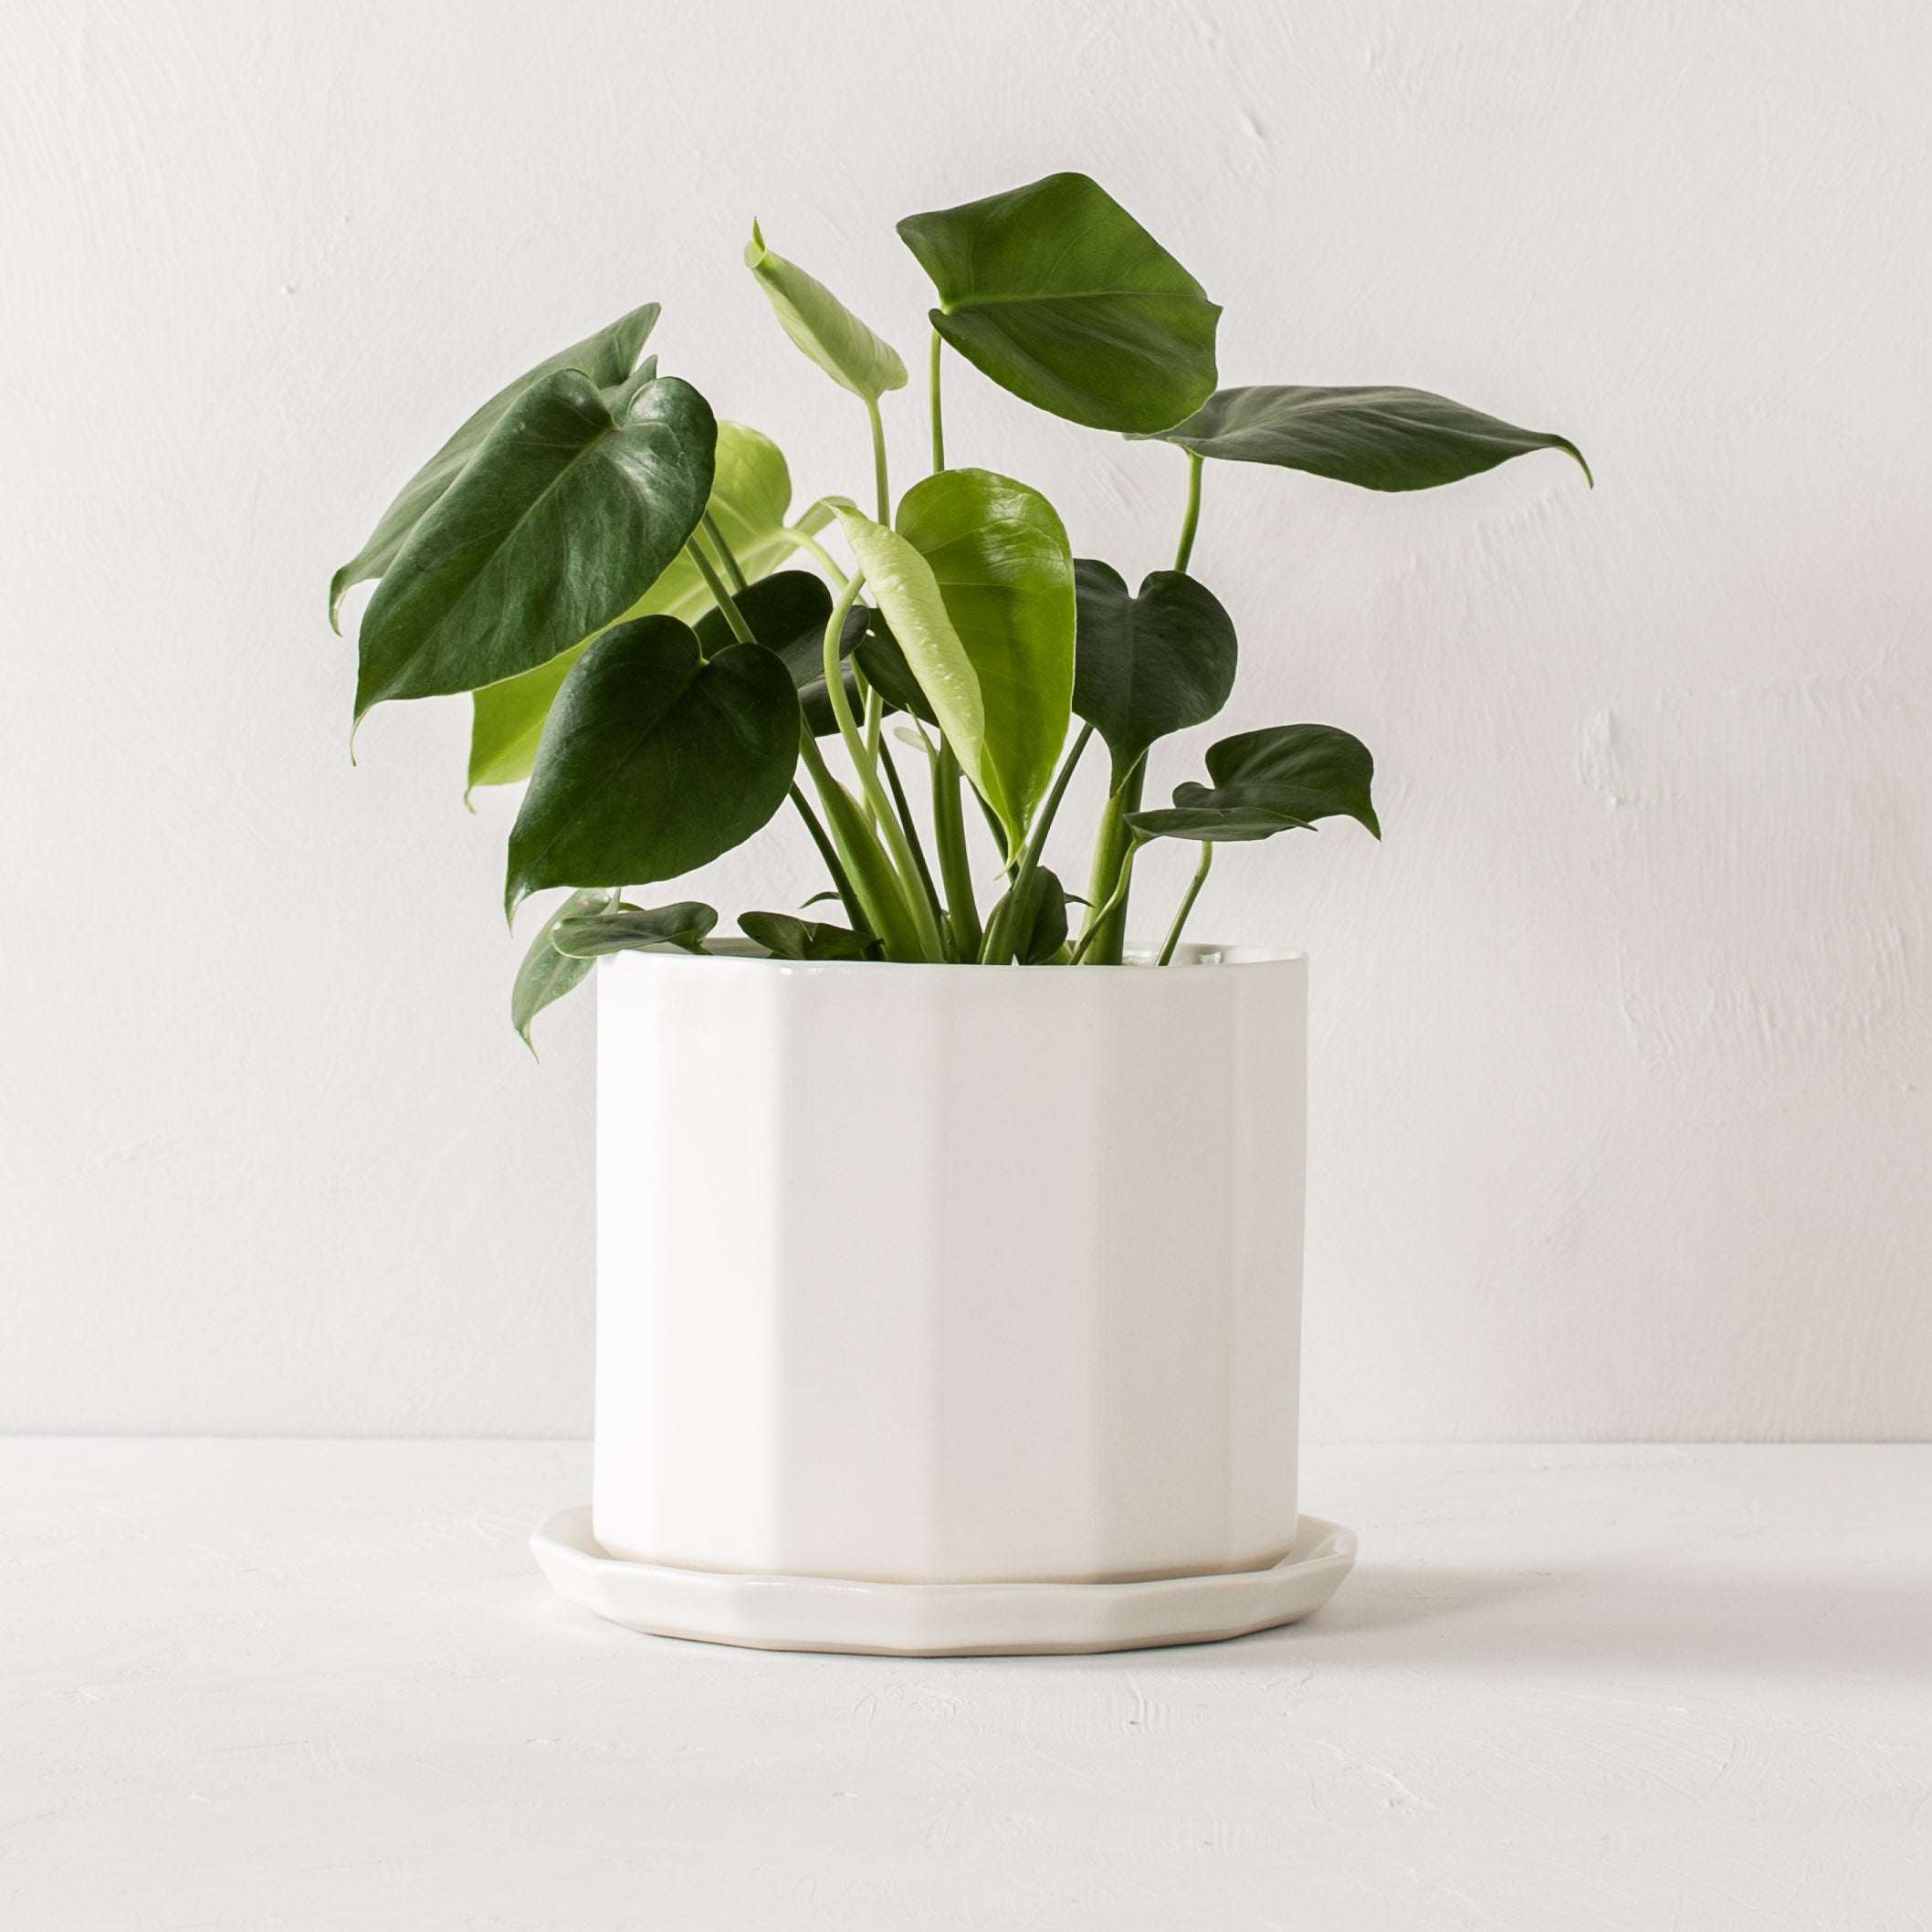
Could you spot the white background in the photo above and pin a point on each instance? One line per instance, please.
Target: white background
(1623, 1037)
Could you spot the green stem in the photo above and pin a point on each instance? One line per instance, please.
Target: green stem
(1113, 860)
(882, 903)
(932, 389)
(1112, 906)
(912, 830)
(949, 833)
(715, 584)
(818, 553)
(915, 901)
(840, 877)
(1187, 905)
(734, 573)
(878, 463)
(1190, 519)
(998, 945)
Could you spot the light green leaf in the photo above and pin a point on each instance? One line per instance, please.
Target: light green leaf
(999, 554)
(562, 519)
(546, 975)
(751, 499)
(1059, 295)
(606, 358)
(1375, 438)
(653, 761)
(823, 327)
(908, 597)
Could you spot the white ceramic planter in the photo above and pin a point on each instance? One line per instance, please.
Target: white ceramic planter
(948, 1276)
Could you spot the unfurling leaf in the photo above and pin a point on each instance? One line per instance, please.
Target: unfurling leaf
(1059, 295)
(1147, 665)
(1375, 438)
(823, 327)
(653, 761)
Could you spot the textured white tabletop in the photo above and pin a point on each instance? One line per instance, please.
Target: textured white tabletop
(319, 1686)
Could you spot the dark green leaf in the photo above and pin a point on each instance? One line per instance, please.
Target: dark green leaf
(633, 929)
(1236, 812)
(565, 517)
(653, 761)
(788, 612)
(823, 327)
(1148, 666)
(606, 358)
(1059, 295)
(1039, 926)
(786, 938)
(751, 499)
(1378, 438)
(546, 975)
(1331, 769)
(879, 657)
(1278, 780)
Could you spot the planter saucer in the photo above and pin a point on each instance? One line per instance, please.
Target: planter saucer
(939, 1620)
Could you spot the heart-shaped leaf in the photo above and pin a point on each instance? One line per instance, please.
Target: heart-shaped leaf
(1281, 779)
(605, 357)
(751, 499)
(1377, 438)
(785, 937)
(787, 612)
(633, 929)
(1059, 295)
(563, 518)
(1150, 664)
(546, 974)
(823, 327)
(998, 555)
(782, 610)
(1333, 770)
(655, 759)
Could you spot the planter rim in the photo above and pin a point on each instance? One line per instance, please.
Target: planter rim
(743, 952)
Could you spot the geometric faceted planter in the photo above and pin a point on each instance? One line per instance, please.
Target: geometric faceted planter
(945, 1308)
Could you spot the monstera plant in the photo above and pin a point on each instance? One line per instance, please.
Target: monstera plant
(613, 574)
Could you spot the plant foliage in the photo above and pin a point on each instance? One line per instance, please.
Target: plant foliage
(618, 580)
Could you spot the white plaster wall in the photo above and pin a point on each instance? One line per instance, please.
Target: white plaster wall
(1622, 1037)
